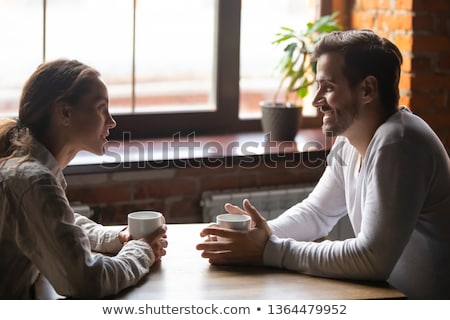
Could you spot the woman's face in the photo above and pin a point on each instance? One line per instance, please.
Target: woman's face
(91, 120)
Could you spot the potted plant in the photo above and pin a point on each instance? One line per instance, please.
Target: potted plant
(280, 118)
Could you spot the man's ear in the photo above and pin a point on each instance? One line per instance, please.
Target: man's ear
(63, 113)
(369, 87)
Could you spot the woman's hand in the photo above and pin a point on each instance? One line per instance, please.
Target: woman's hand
(158, 241)
(124, 236)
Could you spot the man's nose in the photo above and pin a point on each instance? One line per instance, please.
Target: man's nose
(318, 100)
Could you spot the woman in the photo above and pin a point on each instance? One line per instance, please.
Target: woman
(63, 110)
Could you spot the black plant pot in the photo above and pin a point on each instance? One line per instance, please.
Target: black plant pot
(280, 121)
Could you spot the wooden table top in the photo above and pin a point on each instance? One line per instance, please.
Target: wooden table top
(183, 274)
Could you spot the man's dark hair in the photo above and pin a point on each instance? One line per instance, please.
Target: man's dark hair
(366, 54)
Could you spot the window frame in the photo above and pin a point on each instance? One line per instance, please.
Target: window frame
(147, 125)
(225, 119)
(226, 76)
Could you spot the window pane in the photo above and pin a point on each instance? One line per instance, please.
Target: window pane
(98, 33)
(261, 20)
(21, 49)
(174, 55)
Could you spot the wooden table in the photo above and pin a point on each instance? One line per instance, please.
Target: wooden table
(183, 274)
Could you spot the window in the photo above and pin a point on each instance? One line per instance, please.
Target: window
(172, 66)
(260, 21)
(21, 49)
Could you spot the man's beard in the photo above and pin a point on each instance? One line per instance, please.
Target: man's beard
(342, 121)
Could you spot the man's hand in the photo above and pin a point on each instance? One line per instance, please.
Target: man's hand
(240, 247)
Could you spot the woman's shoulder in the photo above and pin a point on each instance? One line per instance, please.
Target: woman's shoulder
(30, 171)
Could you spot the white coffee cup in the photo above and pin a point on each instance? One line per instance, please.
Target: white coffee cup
(143, 223)
(233, 221)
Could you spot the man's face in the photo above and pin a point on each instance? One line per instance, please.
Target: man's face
(334, 97)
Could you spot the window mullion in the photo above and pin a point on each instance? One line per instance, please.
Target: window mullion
(44, 29)
(133, 61)
(227, 58)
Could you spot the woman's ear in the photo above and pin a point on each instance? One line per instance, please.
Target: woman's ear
(369, 88)
(63, 113)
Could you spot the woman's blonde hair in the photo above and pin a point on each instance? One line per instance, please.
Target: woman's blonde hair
(59, 80)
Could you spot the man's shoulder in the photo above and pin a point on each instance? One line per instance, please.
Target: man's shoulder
(405, 127)
(407, 135)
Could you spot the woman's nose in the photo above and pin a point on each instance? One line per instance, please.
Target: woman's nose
(110, 122)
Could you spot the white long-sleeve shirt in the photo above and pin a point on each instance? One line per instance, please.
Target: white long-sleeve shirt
(39, 233)
(398, 202)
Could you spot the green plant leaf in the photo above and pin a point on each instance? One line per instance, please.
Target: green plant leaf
(302, 92)
(282, 38)
(295, 64)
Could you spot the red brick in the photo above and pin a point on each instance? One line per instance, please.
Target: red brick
(420, 102)
(404, 42)
(185, 211)
(421, 64)
(444, 134)
(431, 102)
(442, 24)
(430, 81)
(431, 5)
(372, 5)
(223, 182)
(423, 23)
(431, 43)
(405, 100)
(405, 81)
(103, 194)
(438, 120)
(77, 194)
(290, 176)
(407, 65)
(363, 20)
(394, 21)
(384, 4)
(444, 62)
(221, 166)
(384, 34)
(440, 100)
(404, 4)
(166, 188)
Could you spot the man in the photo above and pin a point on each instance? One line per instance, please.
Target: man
(387, 170)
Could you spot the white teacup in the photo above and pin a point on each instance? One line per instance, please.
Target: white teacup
(233, 221)
(142, 223)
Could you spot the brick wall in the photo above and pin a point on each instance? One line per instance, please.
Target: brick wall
(177, 191)
(421, 29)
